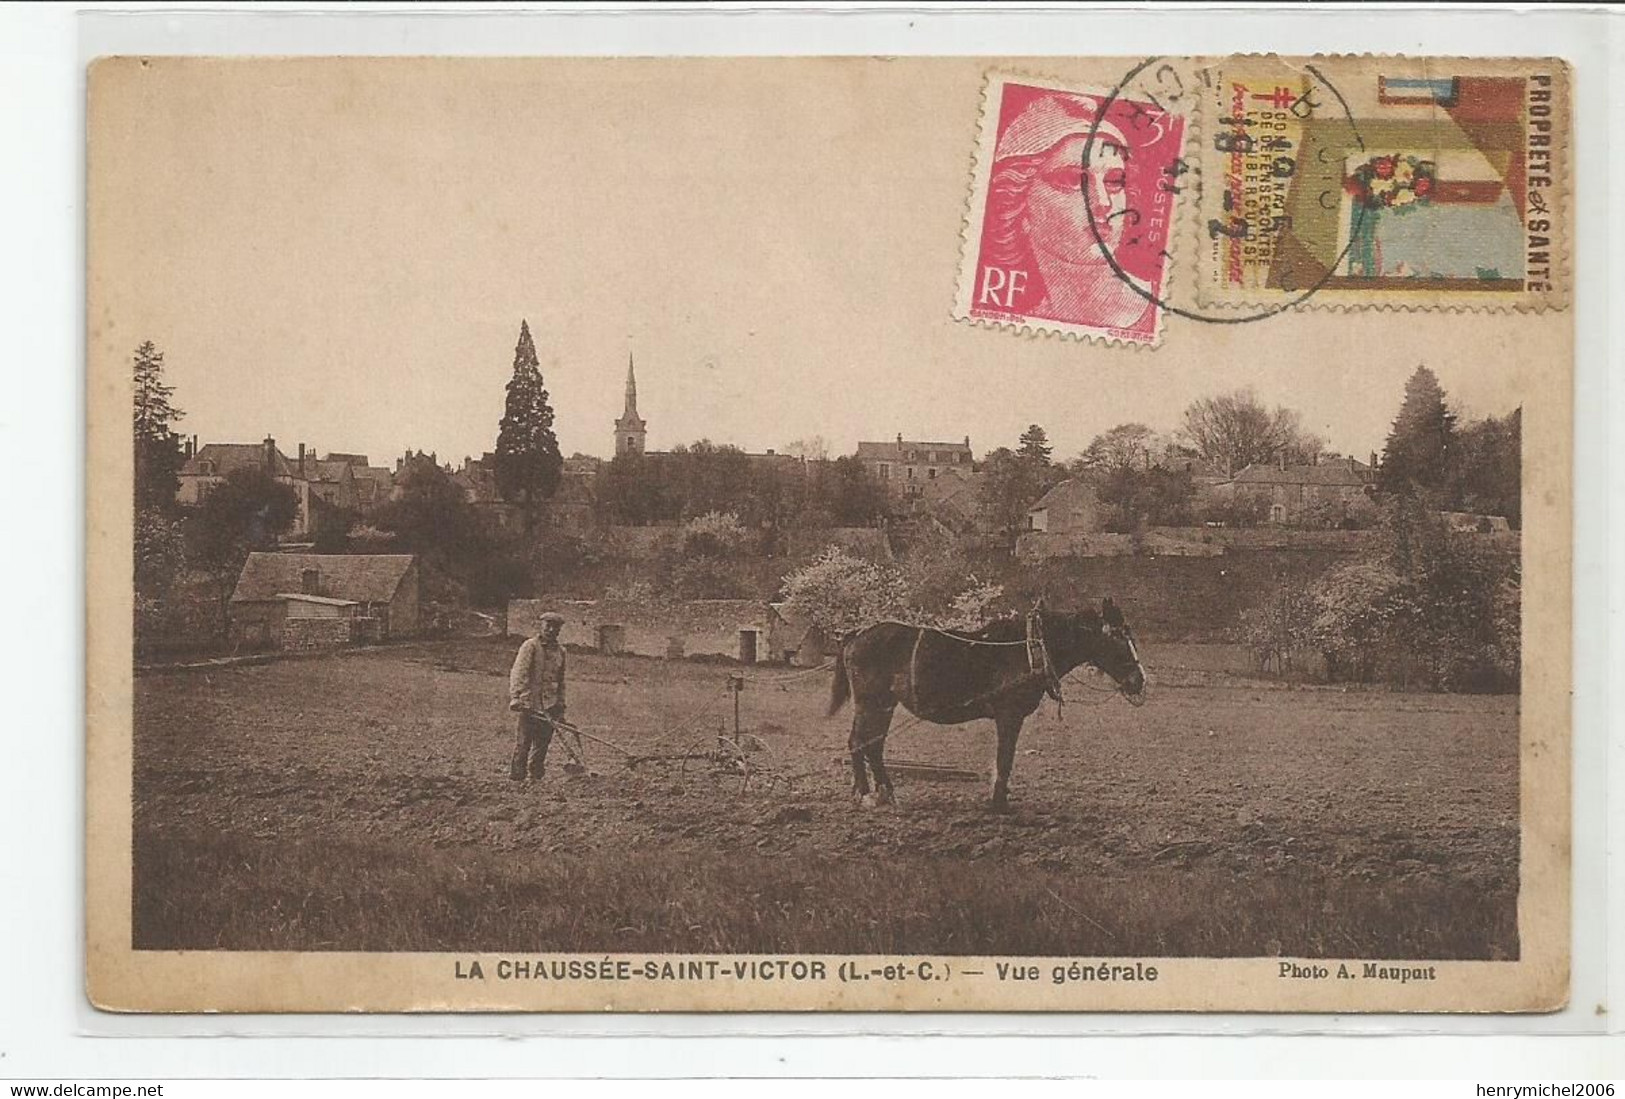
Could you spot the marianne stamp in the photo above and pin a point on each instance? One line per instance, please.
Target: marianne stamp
(1072, 211)
(1417, 183)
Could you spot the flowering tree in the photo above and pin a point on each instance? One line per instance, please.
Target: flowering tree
(841, 593)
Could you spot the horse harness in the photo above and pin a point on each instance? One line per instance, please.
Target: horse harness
(1039, 664)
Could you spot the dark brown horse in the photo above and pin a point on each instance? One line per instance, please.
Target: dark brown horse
(1001, 671)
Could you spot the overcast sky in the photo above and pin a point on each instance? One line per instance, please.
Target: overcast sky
(340, 254)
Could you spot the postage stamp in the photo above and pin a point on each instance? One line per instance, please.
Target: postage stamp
(647, 634)
(1418, 183)
(1064, 179)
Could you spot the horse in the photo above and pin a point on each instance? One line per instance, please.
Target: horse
(1002, 671)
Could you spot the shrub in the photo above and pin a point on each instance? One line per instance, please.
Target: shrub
(1242, 509)
(706, 577)
(839, 592)
(1279, 630)
(717, 534)
(1451, 622)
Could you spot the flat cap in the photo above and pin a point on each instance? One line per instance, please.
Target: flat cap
(553, 616)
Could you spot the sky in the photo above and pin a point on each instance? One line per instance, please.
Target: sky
(340, 254)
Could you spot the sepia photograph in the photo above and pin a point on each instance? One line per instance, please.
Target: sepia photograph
(1039, 534)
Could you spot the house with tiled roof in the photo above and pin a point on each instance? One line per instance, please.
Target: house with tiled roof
(206, 467)
(1071, 507)
(1291, 489)
(377, 594)
(904, 466)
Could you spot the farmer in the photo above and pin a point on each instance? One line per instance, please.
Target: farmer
(536, 694)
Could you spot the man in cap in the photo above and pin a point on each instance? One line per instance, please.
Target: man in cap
(536, 694)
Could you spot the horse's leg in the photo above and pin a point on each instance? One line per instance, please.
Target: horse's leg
(875, 748)
(855, 744)
(1009, 726)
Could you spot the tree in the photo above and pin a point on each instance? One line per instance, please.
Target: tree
(528, 462)
(840, 593)
(157, 448)
(462, 555)
(843, 493)
(1009, 487)
(628, 490)
(1124, 446)
(1486, 469)
(813, 447)
(245, 512)
(1234, 430)
(1146, 497)
(1034, 446)
(1419, 447)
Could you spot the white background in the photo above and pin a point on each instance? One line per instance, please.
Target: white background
(47, 1028)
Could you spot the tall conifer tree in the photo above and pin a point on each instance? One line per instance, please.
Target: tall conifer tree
(528, 461)
(1419, 448)
(157, 448)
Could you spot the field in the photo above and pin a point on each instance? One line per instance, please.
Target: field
(361, 802)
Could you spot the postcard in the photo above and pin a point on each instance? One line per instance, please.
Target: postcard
(829, 534)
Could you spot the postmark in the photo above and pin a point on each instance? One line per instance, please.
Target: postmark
(1071, 214)
(1418, 184)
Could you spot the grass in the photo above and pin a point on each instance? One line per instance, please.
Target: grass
(215, 891)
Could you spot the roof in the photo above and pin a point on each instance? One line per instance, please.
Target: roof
(357, 460)
(231, 456)
(364, 577)
(373, 473)
(1069, 491)
(329, 469)
(894, 451)
(301, 597)
(1339, 471)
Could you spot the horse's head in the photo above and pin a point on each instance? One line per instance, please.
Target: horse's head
(1106, 642)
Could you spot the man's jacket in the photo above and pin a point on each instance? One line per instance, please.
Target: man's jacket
(537, 680)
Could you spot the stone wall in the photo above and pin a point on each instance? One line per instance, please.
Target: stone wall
(300, 635)
(705, 626)
(1038, 545)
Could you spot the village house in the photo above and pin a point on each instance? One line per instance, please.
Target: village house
(952, 500)
(309, 600)
(369, 485)
(206, 467)
(336, 482)
(1071, 507)
(1291, 490)
(905, 465)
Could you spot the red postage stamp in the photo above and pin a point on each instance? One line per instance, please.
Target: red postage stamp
(1071, 211)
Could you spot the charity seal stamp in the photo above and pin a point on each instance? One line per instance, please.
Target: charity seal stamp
(1420, 183)
(1072, 214)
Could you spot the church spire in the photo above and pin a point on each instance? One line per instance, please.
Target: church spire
(630, 429)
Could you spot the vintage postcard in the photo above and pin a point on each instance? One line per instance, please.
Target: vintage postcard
(908, 534)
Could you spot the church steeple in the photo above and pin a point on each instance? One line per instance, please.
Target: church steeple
(629, 429)
(631, 390)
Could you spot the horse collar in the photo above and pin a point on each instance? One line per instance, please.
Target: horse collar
(1038, 658)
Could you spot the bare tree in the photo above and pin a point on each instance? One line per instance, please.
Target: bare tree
(1234, 429)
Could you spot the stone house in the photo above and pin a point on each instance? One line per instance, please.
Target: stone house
(1071, 507)
(375, 596)
(906, 465)
(1291, 490)
(206, 467)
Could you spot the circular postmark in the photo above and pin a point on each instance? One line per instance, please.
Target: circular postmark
(1160, 86)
